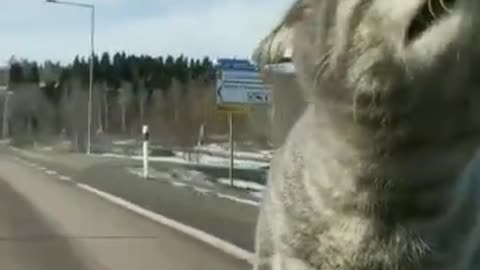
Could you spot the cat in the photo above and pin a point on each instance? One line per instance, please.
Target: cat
(382, 170)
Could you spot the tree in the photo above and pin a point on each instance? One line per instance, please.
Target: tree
(34, 74)
(97, 72)
(142, 97)
(181, 69)
(16, 73)
(167, 92)
(124, 99)
(51, 72)
(74, 109)
(116, 71)
(106, 69)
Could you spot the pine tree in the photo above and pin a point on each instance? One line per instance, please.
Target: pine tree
(16, 73)
(105, 69)
(34, 74)
(97, 72)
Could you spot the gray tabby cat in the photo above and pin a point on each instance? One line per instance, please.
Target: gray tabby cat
(382, 170)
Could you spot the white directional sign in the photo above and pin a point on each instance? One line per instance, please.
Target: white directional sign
(239, 82)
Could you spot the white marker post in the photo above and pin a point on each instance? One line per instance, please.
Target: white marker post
(146, 138)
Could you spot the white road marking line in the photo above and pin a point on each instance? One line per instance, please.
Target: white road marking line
(239, 200)
(65, 178)
(220, 195)
(36, 166)
(50, 172)
(178, 184)
(211, 240)
(47, 171)
(202, 190)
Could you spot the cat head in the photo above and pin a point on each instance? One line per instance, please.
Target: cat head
(406, 67)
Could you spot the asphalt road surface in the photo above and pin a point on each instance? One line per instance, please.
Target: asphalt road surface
(228, 220)
(52, 225)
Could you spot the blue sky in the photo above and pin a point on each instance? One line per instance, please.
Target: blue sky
(36, 30)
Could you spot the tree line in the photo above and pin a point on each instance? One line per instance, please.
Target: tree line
(157, 73)
(174, 95)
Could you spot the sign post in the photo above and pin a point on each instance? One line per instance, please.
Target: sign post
(146, 138)
(239, 88)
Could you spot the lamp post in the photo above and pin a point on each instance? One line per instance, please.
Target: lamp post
(92, 47)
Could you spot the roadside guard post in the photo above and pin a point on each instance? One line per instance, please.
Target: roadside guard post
(146, 138)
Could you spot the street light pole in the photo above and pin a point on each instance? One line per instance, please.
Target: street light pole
(90, 90)
(92, 55)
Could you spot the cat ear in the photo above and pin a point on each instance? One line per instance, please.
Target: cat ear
(277, 46)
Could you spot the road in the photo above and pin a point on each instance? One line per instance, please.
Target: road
(228, 220)
(46, 224)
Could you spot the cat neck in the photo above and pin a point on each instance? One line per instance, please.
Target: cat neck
(421, 182)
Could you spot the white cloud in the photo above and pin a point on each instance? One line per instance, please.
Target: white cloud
(214, 28)
(225, 29)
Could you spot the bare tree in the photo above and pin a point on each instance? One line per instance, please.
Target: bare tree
(97, 111)
(158, 121)
(74, 110)
(142, 96)
(31, 114)
(50, 72)
(124, 100)
(106, 107)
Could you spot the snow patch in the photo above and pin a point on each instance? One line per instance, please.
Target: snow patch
(125, 142)
(257, 194)
(186, 175)
(178, 184)
(202, 190)
(225, 162)
(197, 159)
(217, 149)
(154, 159)
(236, 199)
